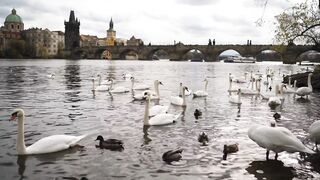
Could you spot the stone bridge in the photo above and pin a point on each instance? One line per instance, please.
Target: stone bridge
(210, 53)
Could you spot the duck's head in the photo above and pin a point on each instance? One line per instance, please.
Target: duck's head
(16, 113)
(100, 138)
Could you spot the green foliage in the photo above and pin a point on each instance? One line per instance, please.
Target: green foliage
(15, 49)
(316, 69)
(299, 23)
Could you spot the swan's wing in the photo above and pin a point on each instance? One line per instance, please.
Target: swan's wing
(277, 139)
(162, 119)
(158, 109)
(314, 131)
(176, 100)
(53, 143)
(200, 93)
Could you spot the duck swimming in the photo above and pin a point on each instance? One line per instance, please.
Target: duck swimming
(227, 149)
(111, 144)
(197, 113)
(172, 155)
(203, 138)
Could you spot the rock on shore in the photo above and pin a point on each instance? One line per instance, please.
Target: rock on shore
(302, 80)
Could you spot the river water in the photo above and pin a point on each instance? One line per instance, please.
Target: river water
(66, 105)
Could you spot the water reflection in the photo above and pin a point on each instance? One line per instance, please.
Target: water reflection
(21, 161)
(271, 169)
(146, 139)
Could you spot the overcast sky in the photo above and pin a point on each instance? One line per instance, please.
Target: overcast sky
(157, 21)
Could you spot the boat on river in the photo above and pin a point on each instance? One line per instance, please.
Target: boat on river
(239, 59)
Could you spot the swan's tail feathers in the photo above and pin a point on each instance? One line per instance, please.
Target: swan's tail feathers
(309, 151)
(77, 139)
(177, 116)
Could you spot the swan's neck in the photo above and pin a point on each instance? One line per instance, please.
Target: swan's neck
(156, 88)
(245, 76)
(99, 80)
(252, 84)
(239, 97)
(277, 90)
(183, 97)
(309, 81)
(111, 84)
(180, 90)
(295, 85)
(93, 87)
(146, 113)
(230, 84)
(206, 86)
(132, 83)
(289, 83)
(21, 147)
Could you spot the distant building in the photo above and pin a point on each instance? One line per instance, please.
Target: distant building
(102, 41)
(13, 25)
(88, 41)
(72, 35)
(111, 34)
(43, 42)
(134, 42)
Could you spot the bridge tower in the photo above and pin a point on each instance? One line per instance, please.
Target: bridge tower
(111, 34)
(72, 34)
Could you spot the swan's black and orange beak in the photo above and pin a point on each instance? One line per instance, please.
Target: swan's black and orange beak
(160, 83)
(187, 89)
(13, 116)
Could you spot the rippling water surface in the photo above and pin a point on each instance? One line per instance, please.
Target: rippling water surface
(66, 105)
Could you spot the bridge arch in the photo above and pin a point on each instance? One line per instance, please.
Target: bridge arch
(310, 55)
(268, 54)
(106, 55)
(158, 53)
(129, 54)
(193, 54)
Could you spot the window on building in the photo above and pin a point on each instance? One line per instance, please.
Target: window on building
(18, 27)
(12, 26)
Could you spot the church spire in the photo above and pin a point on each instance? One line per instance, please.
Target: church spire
(71, 17)
(111, 25)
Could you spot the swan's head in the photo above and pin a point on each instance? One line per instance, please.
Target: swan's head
(239, 91)
(100, 138)
(185, 88)
(99, 75)
(17, 113)
(205, 80)
(132, 78)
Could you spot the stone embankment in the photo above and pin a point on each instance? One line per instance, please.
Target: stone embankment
(303, 77)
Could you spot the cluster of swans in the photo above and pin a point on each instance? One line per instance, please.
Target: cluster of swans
(277, 139)
(255, 89)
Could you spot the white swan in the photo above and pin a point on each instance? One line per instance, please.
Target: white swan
(126, 76)
(118, 89)
(45, 145)
(252, 91)
(186, 92)
(289, 89)
(275, 101)
(51, 76)
(231, 89)
(155, 95)
(179, 101)
(139, 86)
(99, 88)
(236, 99)
(159, 119)
(104, 82)
(240, 79)
(158, 109)
(277, 139)
(314, 132)
(305, 91)
(202, 93)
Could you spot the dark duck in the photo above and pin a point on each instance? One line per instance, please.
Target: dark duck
(111, 144)
(172, 155)
(203, 138)
(277, 116)
(227, 149)
(197, 113)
